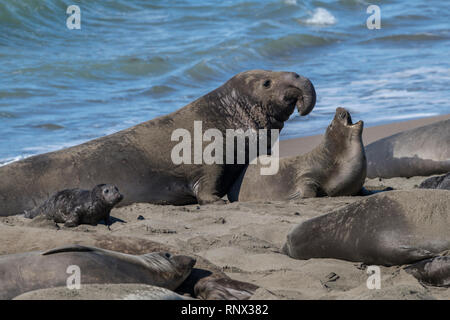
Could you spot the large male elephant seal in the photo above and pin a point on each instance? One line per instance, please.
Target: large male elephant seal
(23, 272)
(138, 160)
(421, 151)
(389, 228)
(336, 167)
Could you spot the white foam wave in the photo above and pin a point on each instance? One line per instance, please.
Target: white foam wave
(5, 161)
(321, 16)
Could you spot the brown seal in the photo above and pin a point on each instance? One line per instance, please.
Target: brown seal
(138, 160)
(388, 228)
(336, 167)
(421, 151)
(23, 272)
(75, 206)
(204, 279)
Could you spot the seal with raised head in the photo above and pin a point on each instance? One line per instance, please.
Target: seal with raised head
(389, 228)
(434, 271)
(139, 159)
(23, 272)
(336, 167)
(422, 151)
(75, 206)
(439, 182)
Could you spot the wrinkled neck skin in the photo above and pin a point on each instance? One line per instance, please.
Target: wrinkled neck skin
(239, 111)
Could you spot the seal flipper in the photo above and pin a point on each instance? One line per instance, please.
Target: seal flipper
(413, 254)
(70, 248)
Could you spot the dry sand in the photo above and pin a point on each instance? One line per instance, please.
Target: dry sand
(244, 240)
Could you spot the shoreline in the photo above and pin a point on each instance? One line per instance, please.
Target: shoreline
(301, 145)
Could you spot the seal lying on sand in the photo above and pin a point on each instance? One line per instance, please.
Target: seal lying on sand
(23, 272)
(421, 151)
(337, 167)
(122, 291)
(434, 271)
(138, 160)
(440, 182)
(75, 206)
(389, 228)
(22, 239)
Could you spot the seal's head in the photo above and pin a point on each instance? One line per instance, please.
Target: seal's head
(270, 97)
(108, 193)
(174, 269)
(342, 127)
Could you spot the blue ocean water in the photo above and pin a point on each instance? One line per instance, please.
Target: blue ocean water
(132, 61)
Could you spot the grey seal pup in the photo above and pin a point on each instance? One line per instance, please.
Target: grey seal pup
(422, 151)
(389, 228)
(139, 160)
(336, 167)
(75, 206)
(23, 272)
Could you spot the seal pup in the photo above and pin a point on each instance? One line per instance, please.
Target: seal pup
(434, 271)
(422, 151)
(389, 228)
(75, 206)
(336, 167)
(139, 159)
(439, 182)
(23, 272)
(121, 291)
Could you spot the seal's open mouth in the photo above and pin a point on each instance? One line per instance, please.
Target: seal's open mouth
(346, 118)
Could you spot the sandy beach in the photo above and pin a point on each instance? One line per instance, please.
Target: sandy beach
(243, 239)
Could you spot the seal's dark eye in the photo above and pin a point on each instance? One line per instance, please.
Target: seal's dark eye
(168, 255)
(106, 191)
(267, 84)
